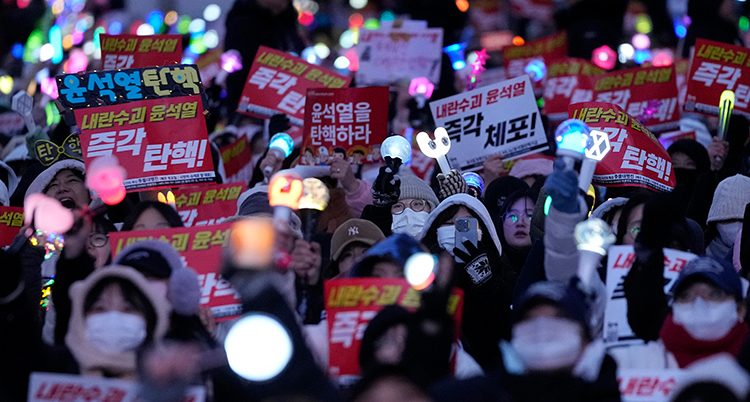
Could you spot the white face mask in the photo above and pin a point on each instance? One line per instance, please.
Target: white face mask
(547, 343)
(728, 231)
(704, 320)
(446, 236)
(115, 332)
(409, 222)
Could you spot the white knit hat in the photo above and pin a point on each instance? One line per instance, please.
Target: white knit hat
(43, 179)
(730, 198)
(414, 187)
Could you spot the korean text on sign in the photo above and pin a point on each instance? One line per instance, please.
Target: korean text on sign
(387, 55)
(617, 331)
(636, 157)
(278, 82)
(348, 119)
(159, 142)
(638, 385)
(499, 118)
(11, 220)
(564, 77)
(133, 51)
(105, 88)
(202, 248)
(351, 304)
(208, 204)
(546, 49)
(718, 67)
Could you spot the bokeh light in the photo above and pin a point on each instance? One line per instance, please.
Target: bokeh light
(518, 41)
(212, 12)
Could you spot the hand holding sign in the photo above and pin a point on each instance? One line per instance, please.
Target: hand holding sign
(437, 148)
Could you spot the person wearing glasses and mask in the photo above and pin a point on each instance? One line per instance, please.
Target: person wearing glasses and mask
(86, 250)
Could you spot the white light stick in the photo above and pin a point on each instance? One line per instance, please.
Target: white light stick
(594, 237)
(597, 149)
(23, 104)
(726, 104)
(437, 148)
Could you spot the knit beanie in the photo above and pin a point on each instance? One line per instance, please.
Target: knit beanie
(730, 198)
(414, 187)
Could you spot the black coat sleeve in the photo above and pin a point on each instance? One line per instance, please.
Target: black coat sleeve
(68, 271)
(644, 292)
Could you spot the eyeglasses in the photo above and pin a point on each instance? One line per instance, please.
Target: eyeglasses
(511, 217)
(417, 205)
(98, 239)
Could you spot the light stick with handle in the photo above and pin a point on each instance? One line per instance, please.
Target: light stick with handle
(437, 148)
(23, 104)
(726, 104)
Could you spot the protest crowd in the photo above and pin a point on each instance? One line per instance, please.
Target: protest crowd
(375, 200)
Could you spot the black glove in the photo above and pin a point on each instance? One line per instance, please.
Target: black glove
(478, 266)
(386, 189)
(279, 123)
(451, 183)
(562, 186)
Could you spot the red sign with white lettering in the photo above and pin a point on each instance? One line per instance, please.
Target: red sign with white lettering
(134, 51)
(718, 67)
(160, 142)
(636, 157)
(278, 83)
(202, 248)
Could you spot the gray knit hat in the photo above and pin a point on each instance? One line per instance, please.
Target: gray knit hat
(414, 187)
(730, 198)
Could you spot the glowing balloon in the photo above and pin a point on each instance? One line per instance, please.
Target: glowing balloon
(46, 214)
(419, 270)
(604, 57)
(77, 62)
(258, 347)
(285, 190)
(536, 69)
(314, 194)
(231, 61)
(251, 242)
(421, 86)
(396, 147)
(105, 176)
(456, 53)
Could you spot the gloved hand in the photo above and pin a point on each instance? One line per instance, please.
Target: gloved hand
(451, 183)
(562, 186)
(386, 189)
(279, 123)
(478, 265)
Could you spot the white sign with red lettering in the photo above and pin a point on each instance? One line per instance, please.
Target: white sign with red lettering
(638, 385)
(500, 118)
(52, 387)
(617, 331)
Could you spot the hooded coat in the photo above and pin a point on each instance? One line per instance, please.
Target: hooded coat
(22, 350)
(486, 314)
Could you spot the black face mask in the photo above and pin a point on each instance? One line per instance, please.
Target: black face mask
(686, 179)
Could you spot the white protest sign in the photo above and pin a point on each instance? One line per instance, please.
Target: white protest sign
(498, 118)
(388, 55)
(52, 387)
(637, 385)
(617, 331)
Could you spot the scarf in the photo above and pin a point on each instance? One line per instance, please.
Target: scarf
(687, 349)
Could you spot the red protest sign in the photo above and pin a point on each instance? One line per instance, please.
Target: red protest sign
(515, 58)
(160, 142)
(278, 82)
(718, 67)
(681, 68)
(133, 51)
(352, 119)
(201, 248)
(236, 156)
(636, 157)
(11, 220)
(54, 387)
(649, 94)
(208, 204)
(564, 76)
(351, 304)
